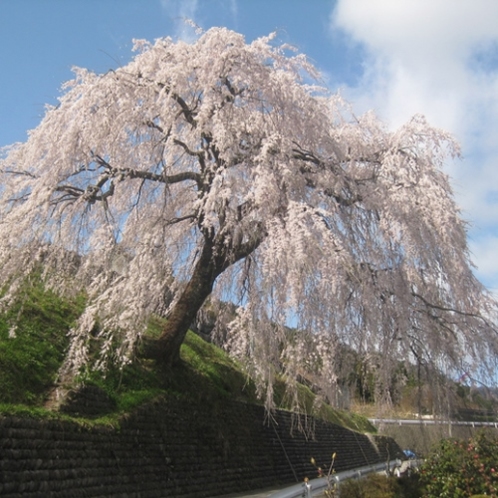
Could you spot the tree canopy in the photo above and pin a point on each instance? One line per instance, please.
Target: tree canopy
(222, 168)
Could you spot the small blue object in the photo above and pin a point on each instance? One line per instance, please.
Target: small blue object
(409, 454)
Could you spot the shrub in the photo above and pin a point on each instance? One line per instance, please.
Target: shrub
(462, 468)
(372, 486)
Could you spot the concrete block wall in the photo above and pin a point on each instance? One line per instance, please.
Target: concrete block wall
(171, 448)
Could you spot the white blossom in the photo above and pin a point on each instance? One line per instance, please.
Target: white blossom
(320, 222)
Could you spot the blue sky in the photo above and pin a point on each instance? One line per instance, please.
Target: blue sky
(398, 57)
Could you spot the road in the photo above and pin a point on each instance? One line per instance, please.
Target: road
(262, 493)
(320, 484)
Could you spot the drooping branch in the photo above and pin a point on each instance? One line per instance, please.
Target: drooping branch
(93, 193)
(148, 175)
(350, 192)
(449, 310)
(20, 173)
(199, 154)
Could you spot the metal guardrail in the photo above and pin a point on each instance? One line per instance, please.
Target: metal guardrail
(424, 421)
(316, 486)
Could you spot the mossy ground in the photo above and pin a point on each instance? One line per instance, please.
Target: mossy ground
(29, 363)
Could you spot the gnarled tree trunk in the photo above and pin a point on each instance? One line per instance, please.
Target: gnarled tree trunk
(214, 259)
(166, 349)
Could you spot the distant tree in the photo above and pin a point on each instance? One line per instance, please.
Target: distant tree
(220, 167)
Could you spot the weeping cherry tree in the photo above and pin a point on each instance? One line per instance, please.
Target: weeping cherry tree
(221, 168)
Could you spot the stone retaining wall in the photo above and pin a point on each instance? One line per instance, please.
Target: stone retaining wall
(174, 449)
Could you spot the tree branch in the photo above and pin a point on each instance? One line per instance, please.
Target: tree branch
(19, 173)
(449, 310)
(308, 157)
(185, 147)
(174, 221)
(149, 175)
(187, 112)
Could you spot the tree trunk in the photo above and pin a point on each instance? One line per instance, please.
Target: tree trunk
(166, 349)
(215, 258)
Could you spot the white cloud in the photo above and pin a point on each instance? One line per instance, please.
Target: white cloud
(181, 8)
(420, 52)
(234, 9)
(186, 12)
(182, 11)
(438, 58)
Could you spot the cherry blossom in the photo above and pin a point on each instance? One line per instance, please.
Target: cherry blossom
(222, 169)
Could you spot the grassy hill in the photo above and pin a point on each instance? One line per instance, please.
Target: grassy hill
(31, 355)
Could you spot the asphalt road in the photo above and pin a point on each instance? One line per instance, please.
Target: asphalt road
(262, 493)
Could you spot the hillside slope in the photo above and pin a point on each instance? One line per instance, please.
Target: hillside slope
(31, 355)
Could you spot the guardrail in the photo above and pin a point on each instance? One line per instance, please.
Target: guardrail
(316, 486)
(424, 421)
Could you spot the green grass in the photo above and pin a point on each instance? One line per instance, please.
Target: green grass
(29, 363)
